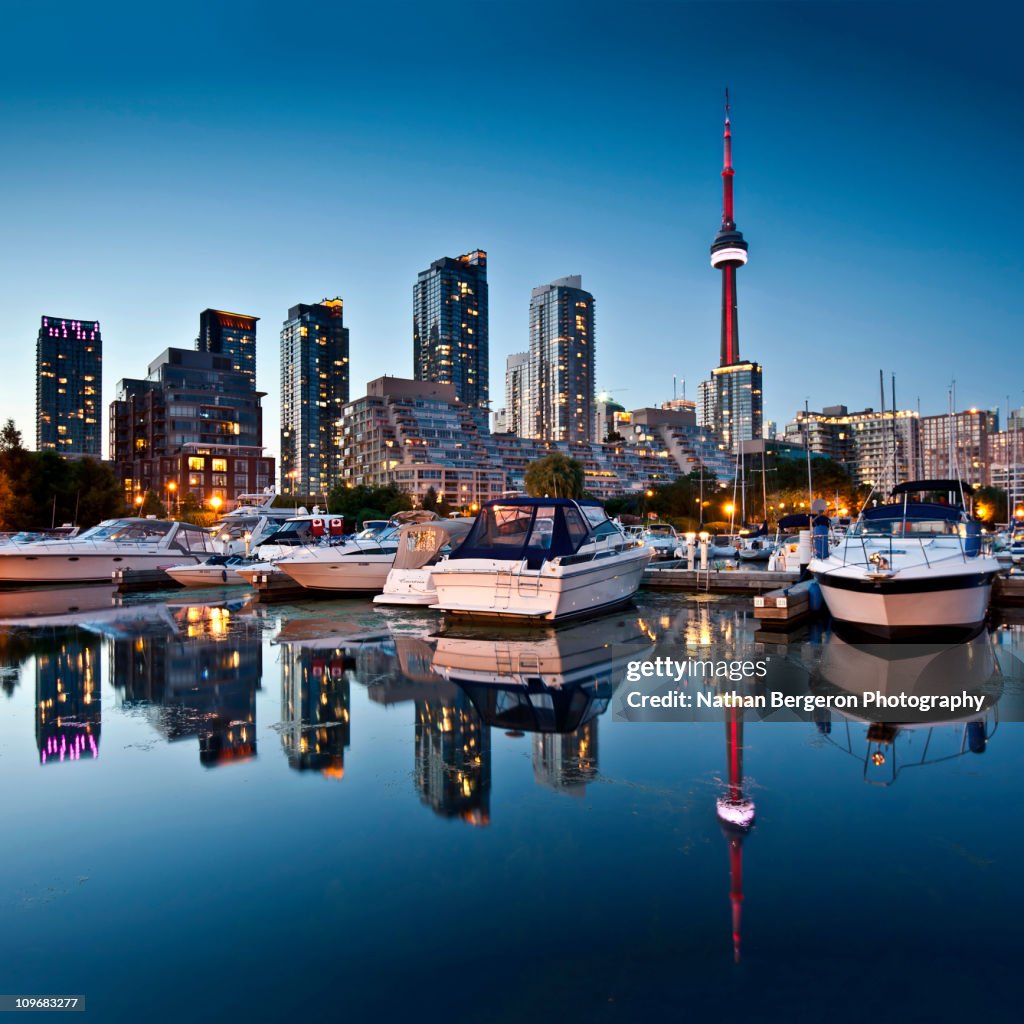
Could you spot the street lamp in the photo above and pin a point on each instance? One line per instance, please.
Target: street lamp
(139, 499)
(215, 503)
(171, 488)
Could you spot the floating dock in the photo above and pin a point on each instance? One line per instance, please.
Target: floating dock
(1008, 590)
(675, 576)
(279, 586)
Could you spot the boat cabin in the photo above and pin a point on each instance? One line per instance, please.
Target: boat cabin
(534, 529)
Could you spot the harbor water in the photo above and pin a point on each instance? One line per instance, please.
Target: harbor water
(215, 808)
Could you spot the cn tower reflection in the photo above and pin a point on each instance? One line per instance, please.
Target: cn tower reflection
(736, 817)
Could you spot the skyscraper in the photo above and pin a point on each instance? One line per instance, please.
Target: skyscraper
(561, 371)
(517, 386)
(733, 400)
(449, 329)
(69, 388)
(314, 390)
(230, 334)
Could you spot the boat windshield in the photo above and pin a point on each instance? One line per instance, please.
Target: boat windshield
(128, 530)
(524, 530)
(660, 530)
(897, 527)
(235, 529)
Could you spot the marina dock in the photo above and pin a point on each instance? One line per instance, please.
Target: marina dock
(675, 576)
(134, 581)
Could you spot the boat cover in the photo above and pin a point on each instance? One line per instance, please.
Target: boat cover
(420, 543)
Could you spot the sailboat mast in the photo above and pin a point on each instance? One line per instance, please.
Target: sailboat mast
(885, 433)
(807, 445)
(895, 461)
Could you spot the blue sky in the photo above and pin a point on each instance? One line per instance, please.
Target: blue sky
(252, 156)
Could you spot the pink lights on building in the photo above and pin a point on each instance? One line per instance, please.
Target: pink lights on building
(59, 749)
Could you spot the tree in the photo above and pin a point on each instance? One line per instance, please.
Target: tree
(95, 491)
(152, 506)
(554, 476)
(429, 500)
(10, 438)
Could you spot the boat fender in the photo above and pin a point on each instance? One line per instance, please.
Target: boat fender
(977, 741)
(224, 575)
(814, 596)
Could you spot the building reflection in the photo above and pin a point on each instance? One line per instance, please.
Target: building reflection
(315, 708)
(196, 670)
(566, 762)
(453, 759)
(68, 705)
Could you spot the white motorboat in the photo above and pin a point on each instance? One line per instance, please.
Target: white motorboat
(354, 565)
(216, 571)
(756, 549)
(238, 534)
(662, 539)
(93, 556)
(910, 567)
(540, 558)
(420, 547)
(723, 546)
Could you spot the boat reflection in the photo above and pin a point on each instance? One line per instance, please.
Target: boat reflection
(890, 740)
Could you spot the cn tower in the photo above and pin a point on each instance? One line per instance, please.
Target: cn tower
(728, 251)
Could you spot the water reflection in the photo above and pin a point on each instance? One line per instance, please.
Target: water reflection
(453, 760)
(890, 740)
(315, 703)
(194, 670)
(68, 706)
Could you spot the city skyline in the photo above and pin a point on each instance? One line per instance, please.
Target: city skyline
(860, 191)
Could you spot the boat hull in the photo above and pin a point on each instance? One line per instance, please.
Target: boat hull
(912, 605)
(352, 574)
(491, 589)
(408, 587)
(206, 576)
(28, 569)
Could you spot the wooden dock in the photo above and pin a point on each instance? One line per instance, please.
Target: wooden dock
(132, 581)
(279, 586)
(1008, 591)
(676, 576)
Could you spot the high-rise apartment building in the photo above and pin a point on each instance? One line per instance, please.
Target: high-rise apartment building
(517, 387)
(417, 435)
(194, 426)
(560, 400)
(449, 329)
(737, 402)
(69, 389)
(877, 448)
(957, 446)
(232, 335)
(314, 391)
